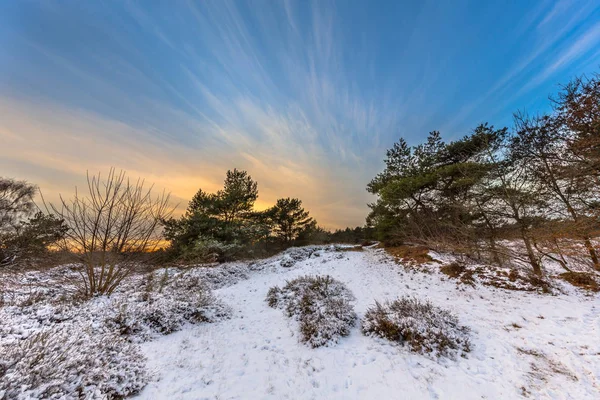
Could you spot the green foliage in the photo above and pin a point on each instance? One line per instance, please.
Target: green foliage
(224, 225)
(16, 202)
(352, 235)
(237, 197)
(289, 219)
(23, 236)
(33, 237)
(424, 190)
(538, 183)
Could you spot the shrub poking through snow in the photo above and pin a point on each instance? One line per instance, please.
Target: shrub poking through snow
(183, 299)
(294, 255)
(322, 306)
(89, 349)
(71, 362)
(422, 326)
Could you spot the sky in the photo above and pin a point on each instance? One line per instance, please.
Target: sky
(305, 96)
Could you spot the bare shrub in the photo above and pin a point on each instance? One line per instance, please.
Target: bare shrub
(71, 362)
(422, 326)
(321, 304)
(112, 228)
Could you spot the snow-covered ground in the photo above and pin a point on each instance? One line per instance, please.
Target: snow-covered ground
(523, 344)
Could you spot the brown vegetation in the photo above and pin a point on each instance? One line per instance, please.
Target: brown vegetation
(424, 327)
(582, 280)
(112, 228)
(410, 254)
(459, 271)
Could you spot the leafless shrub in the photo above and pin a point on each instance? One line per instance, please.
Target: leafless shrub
(114, 226)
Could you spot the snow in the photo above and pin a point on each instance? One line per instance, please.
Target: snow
(321, 305)
(523, 343)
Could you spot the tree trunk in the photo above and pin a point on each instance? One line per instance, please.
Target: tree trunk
(586, 240)
(593, 254)
(494, 251)
(537, 268)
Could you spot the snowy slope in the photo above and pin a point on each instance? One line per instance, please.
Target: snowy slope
(524, 344)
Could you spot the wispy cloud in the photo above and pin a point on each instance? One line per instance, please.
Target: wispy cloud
(304, 95)
(550, 25)
(572, 53)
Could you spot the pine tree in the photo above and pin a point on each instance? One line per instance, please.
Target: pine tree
(238, 195)
(290, 219)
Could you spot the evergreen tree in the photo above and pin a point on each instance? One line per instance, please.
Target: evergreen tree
(289, 219)
(23, 234)
(577, 112)
(455, 194)
(238, 195)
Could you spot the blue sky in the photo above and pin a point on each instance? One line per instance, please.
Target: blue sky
(304, 95)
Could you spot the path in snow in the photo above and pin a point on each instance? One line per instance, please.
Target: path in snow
(256, 354)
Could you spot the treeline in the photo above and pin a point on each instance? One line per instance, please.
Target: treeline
(118, 224)
(497, 195)
(224, 225)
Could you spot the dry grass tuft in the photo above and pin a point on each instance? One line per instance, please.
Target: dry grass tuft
(459, 271)
(582, 280)
(453, 270)
(410, 254)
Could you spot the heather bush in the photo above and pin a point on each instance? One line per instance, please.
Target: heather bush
(420, 325)
(164, 307)
(294, 255)
(70, 361)
(322, 306)
(209, 250)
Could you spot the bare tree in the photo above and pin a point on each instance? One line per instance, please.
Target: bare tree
(111, 228)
